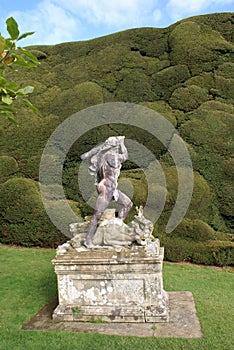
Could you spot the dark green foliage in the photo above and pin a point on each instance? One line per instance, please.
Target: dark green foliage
(204, 80)
(165, 110)
(40, 55)
(21, 142)
(211, 133)
(224, 89)
(8, 166)
(195, 230)
(31, 167)
(138, 180)
(166, 80)
(81, 96)
(138, 86)
(224, 26)
(198, 46)
(202, 204)
(23, 219)
(183, 72)
(219, 253)
(188, 98)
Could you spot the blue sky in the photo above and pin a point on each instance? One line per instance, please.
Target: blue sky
(57, 21)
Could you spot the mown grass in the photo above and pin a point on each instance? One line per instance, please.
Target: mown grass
(27, 282)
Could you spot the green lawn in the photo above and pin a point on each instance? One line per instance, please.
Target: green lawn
(27, 282)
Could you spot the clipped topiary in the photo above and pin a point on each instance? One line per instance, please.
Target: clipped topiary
(210, 131)
(219, 253)
(188, 98)
(23, 218)
(76, 98)
(135, 86)
(224, 88)
(168, 79)
(198, 46)
(8, 166)
(204, 80)
(165, 110)
(195, 230)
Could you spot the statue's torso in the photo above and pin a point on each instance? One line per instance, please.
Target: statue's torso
(109, 168)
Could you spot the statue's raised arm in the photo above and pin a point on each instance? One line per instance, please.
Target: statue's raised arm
(124, 151)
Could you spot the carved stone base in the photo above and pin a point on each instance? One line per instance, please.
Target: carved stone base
(105, 285)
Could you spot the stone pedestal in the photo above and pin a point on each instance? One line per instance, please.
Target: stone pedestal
(102, 284)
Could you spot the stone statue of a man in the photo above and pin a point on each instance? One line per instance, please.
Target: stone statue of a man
(106, 162)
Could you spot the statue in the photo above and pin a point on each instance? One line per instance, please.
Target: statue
(121, 279)
(106, 162)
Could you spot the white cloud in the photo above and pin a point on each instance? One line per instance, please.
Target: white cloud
(51, 23)
(157, 15)
(178, 9)
(114, 13)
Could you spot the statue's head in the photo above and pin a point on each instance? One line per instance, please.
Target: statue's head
(114, 143)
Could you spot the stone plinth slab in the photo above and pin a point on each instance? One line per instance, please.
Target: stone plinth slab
(183, 322)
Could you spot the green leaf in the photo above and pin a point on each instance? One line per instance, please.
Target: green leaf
(21, 62)
(2, 44)
(26, 90)
(2, 82)
(29, 55)
(12, 28)
(11, 93)
(9, 45)
(7, 99)
(29, 104)
(22, 36)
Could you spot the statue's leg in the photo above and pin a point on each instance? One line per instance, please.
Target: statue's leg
(92, 228)
(102, 203)
(124, 200)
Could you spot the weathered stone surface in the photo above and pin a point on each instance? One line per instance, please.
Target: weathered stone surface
(113, 232)
(114, 286)
(183, 322)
